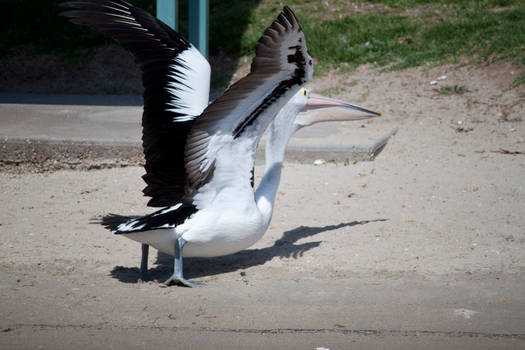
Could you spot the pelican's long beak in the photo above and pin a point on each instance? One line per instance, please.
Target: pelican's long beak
(335, 110)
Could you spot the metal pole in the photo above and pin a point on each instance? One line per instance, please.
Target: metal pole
(167, 12)
(198, 22)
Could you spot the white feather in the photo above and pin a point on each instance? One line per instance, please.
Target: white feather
(191, 89)
(167, 210)
(127, 226)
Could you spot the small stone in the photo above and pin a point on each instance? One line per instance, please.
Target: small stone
(465, 313)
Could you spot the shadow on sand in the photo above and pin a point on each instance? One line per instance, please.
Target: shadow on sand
(284, 247)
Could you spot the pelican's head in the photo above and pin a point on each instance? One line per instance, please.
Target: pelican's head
(306, 108)
(333, 110)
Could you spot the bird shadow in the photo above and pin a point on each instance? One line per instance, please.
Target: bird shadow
(284, 248)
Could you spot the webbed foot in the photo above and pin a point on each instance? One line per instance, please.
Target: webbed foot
(182, 281)
(177, 277)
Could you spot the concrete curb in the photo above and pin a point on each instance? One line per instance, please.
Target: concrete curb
(74, 153)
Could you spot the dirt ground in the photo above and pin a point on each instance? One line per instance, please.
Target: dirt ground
(424, 247)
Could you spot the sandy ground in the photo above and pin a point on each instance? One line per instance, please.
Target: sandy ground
(424, 247)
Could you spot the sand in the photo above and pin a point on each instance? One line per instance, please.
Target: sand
(423, 247)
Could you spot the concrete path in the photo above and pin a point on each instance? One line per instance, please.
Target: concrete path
(115, 121)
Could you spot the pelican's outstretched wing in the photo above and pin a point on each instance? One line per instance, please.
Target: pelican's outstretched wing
(176, 79)
(281, 66)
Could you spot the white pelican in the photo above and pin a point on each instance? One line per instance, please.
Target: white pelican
(200, 157)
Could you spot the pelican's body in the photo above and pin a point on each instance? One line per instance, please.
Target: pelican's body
(210, 232)
(199, 157)
(226, 216)
(234, 217)
(230, 223)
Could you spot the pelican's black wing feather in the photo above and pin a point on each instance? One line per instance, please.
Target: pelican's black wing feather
(176, 87)
(166, 218)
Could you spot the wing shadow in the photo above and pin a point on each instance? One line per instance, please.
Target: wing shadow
(284, 248)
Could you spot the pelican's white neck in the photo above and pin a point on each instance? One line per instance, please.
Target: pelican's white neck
(267, 190)
(279, 133)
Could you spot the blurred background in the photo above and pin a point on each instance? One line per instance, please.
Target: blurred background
(41, 52)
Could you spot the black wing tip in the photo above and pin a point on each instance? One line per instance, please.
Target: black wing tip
(285, 21)
(112, 221)
(66, 4)
(72, 9)
(159, 201)
(80, 9)
(288, 13)
(69, 4)
(84, 3)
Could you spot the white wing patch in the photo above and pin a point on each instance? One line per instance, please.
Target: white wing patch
(129, 226)
(167, 226)
(190, 89)
(167, 210)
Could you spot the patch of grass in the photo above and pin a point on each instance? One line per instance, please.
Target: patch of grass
(382, 38)
(369, 38)
(333, 91)
(345, 68)
(452, 90)
(520, 80)
(390, 36)
(404, 4)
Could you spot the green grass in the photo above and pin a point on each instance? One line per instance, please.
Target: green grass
(452, 90)
(434, 32)
(375, 38)
(333, 91)
(403, 4)
(520, 80)
(393, 39)
(369, 38)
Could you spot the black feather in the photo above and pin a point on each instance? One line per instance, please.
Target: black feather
(158, 220)
(155, 47)
(112, 221)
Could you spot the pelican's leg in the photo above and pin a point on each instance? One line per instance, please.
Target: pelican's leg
(177, 267)
(144, 275)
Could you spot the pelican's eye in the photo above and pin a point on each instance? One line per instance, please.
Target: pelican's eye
(304, 92)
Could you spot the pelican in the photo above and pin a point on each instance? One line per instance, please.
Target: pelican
(200, 157)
